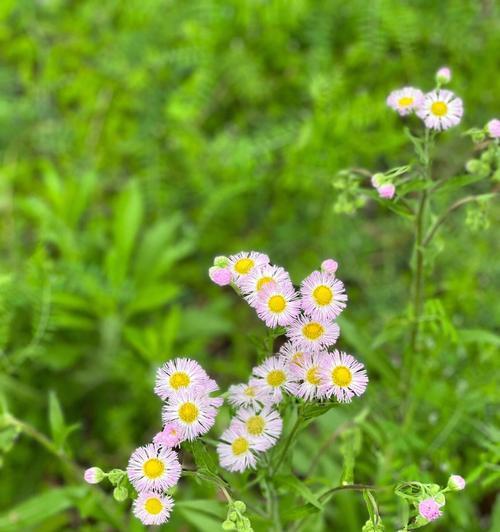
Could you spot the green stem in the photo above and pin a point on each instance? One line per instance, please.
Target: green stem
(296, 426)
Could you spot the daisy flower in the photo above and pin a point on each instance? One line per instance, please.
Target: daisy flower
(243, 264)
(273, 376)
(153, 468)
(265, 425)
(405, 100)
(170, 436)
(260, 277)
(193, 410)
(313, 335)
(291, 353)
(179, 374)
(440, 110)
(237, 449)
(250, 394)
(277, 305)
(152, 508)
(308, 375)
(323, 296)
(343, 377)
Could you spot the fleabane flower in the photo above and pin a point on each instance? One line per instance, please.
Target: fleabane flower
(170, 436)
(179, 374)
(307, 375)
(342, 376)
(261, 277)
(441, 109)
(237, 450)
(323, 296)
(277, 305)
(152, 508)
(193, 410)
(429, 509)
(153, 468)
(243, 264)
(248, 395)
(312, 334)
(291, 353)
(264, 426)
(493, 128)
(405, 100)
(386, 191)
(273, 376)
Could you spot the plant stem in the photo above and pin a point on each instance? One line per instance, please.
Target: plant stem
(288, 442)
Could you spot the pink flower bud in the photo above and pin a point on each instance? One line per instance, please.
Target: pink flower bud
(386, 191)
(329, 266)
(493, 128)
(170, 436)
(443, 75)
(220, 276)
(429, 509)
(93, 475)
(456, 483)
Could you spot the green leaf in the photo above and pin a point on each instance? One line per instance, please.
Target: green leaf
(56, 420)
(299, 487)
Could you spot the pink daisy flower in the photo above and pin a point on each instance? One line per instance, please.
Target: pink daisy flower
(153, 468)
(313, 335)
(193, 410)
(493, 128)
(329, 266)
(323, 296)
(247, 395)
(179, 374)
(291, 353)
(243, 264)
(170, 436)
(343, 377)
(277, 305)
(429, 509)
(307, 375)
(152, 508)
(237, 450)
(273, 376)
(260, 277)
(406, 100)
(265, 425)
(440, 110)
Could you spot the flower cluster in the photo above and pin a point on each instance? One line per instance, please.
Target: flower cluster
(303, 367)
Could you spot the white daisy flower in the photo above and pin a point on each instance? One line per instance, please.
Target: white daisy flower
(152, 508)
(179, 374)
(237, 450)
(153, 468)
(265, 425)
(405, 100)
(253, 283)
(243, 264)
(277, 305)
(308, 375)
(441, 109)
(323, 296)
(343, 377)
(273, 376)
(312, 334)
(193, 410)
(250, 395)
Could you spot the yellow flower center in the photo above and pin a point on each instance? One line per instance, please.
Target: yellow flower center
(405, 101)
(312, 376)
(323, 295)
(243, 266)
(439, 108)
(276, 377)
(262, 281)
(249, 391)
(153, 506)
(239, 446)
(341, 376)
(153, 468)
(255, 425)
(313, 330)
(179, 379)
(276, 303)
(188, 412)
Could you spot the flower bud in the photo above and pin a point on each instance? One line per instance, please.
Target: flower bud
(472, 166)
(377, 179)
(221, 261)
(220, 276)
(93, 475)
(240, 506)
(386, 191)
(232, 516)
(228, 525)
(329, 266)
(456, 483)
(120, 494)
(115, 476)
(493, 128)
(443, 75)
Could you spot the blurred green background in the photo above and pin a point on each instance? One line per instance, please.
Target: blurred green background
(140, 139)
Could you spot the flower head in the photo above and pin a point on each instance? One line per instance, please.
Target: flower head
(152, 508)
(153, 468)
(307, 375)
(179, 374)
(170, 436)
(243, 264)
(291, 353)
(220, 276)
(493, 128)
(193, 410)
(323, 296)
(443, 75)
(441, 109)
(93, 475)
(237, 449)
(264, 426)
(343, 377)
(273, 376)
(329, 266)
(405, 100)
(429, 509)
(386, 191)
(261, 277)
(277, 304)
(456, 483)
(312, 334)
(249, 395)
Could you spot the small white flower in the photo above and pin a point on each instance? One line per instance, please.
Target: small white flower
(441, 109)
